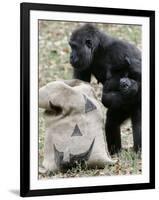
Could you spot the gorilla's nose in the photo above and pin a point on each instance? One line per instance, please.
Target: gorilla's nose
(71, 58)
(74, 61)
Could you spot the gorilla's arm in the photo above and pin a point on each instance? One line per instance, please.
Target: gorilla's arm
(123, 57)
(135, 69)
(112, 99)
(82, 75)
(111, 96)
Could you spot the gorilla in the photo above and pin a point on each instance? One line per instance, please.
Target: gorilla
(110, 60)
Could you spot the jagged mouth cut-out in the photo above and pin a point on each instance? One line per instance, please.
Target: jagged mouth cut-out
(73, 159)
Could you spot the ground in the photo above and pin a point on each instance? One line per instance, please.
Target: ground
(54, 65)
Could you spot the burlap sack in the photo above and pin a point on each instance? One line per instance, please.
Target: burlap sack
(74, 125)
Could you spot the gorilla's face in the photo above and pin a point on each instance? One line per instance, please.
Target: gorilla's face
(128, 86)
(81, 54)
(83, 42)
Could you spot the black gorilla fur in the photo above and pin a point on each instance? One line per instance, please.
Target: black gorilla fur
(110, 60)
(122, 97)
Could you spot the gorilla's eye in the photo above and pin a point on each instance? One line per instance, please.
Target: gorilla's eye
(89, 43)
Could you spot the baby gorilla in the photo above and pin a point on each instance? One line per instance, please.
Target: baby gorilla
(122, 98)
(128, 87)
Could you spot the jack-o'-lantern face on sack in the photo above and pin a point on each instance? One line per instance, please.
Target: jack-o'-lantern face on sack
(69, 152)
(64, 160)
(74, 126)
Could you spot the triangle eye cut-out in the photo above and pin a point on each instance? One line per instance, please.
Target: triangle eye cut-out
(76, 131)
(89, 106)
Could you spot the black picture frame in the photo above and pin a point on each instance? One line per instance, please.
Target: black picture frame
(25, 9)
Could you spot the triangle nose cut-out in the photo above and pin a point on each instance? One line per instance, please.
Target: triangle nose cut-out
(89, 106)
(76, 131)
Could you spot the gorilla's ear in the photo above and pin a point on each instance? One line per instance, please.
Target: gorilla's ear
(89, 43)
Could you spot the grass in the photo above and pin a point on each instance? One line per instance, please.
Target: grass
(54, 65)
